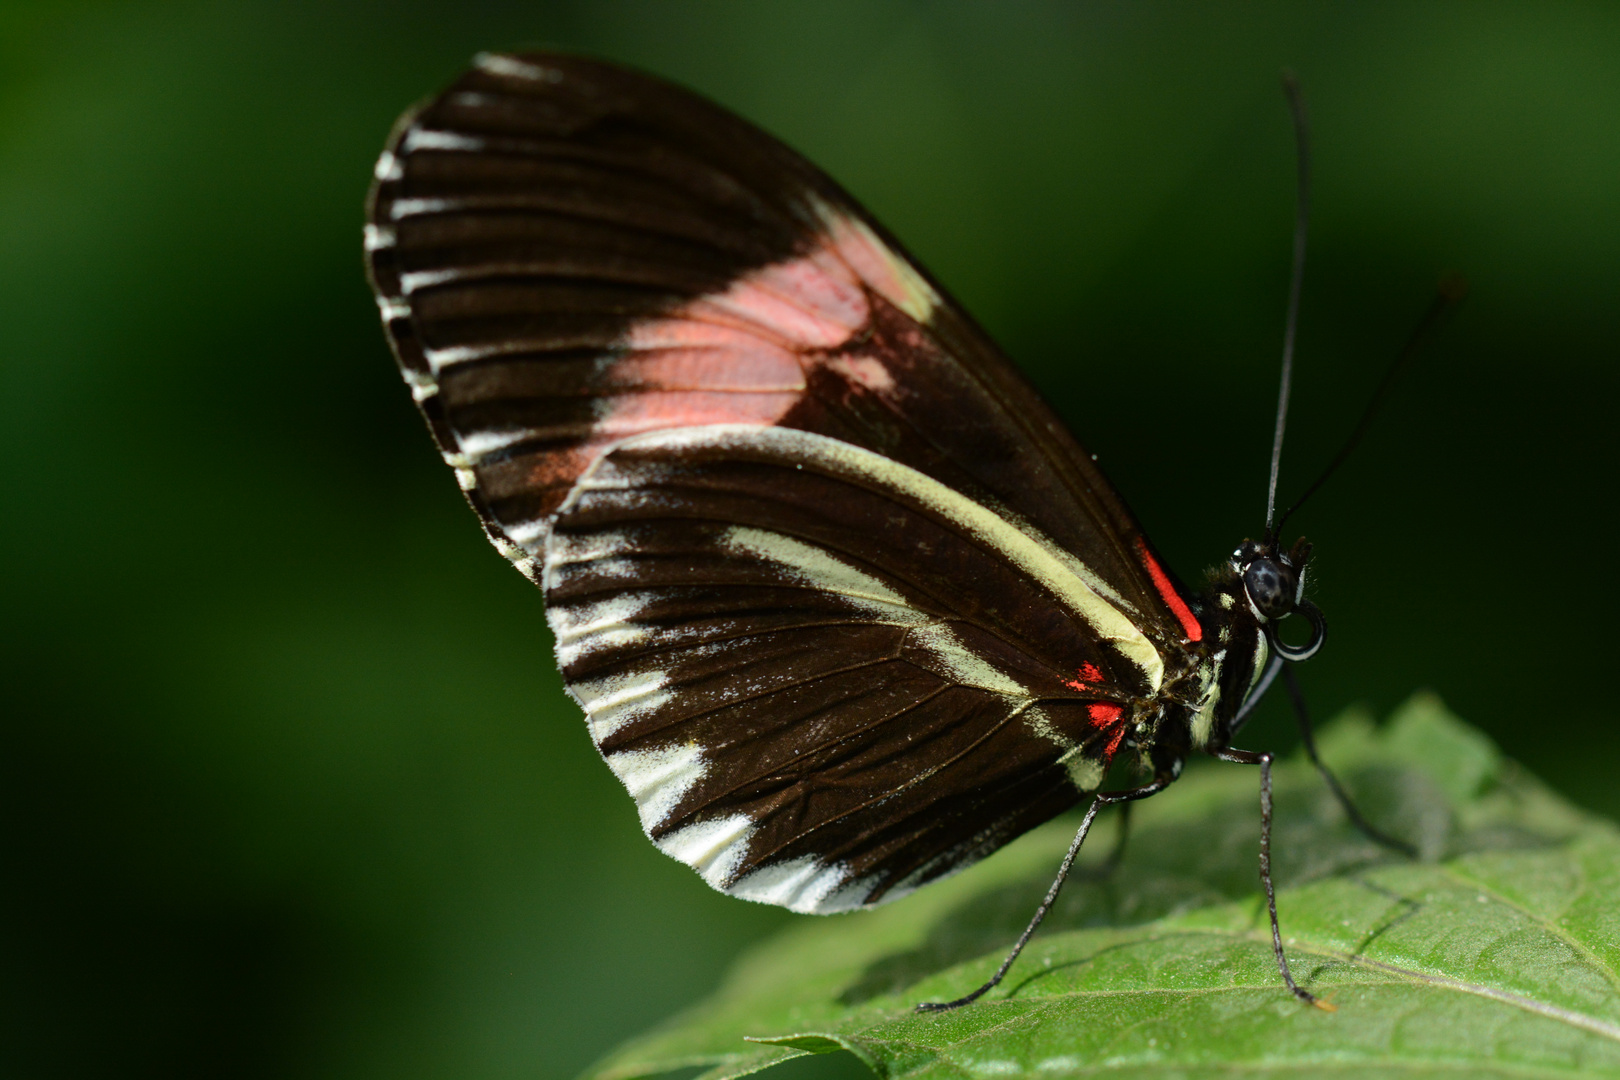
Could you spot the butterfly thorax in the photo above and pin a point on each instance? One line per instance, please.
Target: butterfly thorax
(1243, 600)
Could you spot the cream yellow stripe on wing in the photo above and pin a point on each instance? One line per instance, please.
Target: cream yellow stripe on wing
(814, 566)
(982, 524)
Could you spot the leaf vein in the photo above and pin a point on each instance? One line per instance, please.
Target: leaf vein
(1550, 926)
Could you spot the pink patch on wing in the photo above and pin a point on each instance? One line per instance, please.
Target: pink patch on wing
(625, 415)
(718, 369)
(859, 248)
(740, 356)
(680, 331)
(1167, 589)
(737, 357)
(864, 371)
(632, 414)
(805, 304)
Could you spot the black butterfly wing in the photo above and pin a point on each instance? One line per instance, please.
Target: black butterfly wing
(568, 255)
(807, 710)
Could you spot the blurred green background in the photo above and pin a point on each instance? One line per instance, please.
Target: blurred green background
(290, 787)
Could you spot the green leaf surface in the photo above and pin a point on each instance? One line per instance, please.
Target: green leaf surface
(1493, 954)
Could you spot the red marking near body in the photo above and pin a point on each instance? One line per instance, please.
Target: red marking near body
(1104, 713)
(1089, 677)
(1113, 744)
(1161, 581)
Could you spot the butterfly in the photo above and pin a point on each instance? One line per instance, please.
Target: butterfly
(845, 604)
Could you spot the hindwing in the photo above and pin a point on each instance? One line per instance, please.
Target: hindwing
(769, 636)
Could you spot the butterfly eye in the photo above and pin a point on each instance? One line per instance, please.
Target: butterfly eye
(1269, 588)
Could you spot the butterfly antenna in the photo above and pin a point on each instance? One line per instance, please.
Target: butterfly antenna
(1302, 221)
(1453, 288)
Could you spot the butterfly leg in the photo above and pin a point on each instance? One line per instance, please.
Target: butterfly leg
(1158, 784)
(1247, 757)
(1343, 796)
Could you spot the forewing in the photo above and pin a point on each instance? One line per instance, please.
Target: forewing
(567, 254)
(768, 632)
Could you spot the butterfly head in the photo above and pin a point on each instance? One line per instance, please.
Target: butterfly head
(1274, 585)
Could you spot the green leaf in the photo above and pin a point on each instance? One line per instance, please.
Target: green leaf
(1493, 954)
